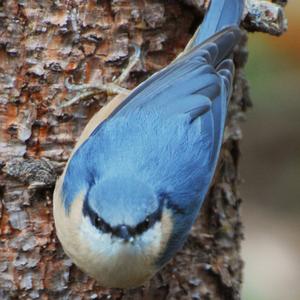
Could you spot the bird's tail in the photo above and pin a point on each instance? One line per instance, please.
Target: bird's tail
(221, 14)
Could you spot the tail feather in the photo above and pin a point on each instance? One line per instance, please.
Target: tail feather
(221, 14)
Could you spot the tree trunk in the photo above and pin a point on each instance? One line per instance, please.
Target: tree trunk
(41, 44)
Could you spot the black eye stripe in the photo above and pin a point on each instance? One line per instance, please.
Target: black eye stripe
(100, 223)
(143, 226)
(149, 221)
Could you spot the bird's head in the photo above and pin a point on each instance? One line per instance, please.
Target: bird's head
(123, 208)
(121, 230)
(125, 229)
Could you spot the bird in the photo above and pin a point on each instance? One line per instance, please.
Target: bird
(138, 175)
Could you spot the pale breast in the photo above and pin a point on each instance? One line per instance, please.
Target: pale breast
(115, 263)
(111, 261)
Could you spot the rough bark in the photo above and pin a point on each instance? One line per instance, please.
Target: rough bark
(41, 44)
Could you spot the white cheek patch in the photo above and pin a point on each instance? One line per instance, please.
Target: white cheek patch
(96, 240)
(150, 238)
(115, 263)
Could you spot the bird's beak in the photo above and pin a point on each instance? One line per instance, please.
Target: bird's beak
(124, 233)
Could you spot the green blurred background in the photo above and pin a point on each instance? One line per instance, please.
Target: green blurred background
(270, 166)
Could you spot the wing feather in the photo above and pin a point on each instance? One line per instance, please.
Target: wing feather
(185, 75)
(182, 107)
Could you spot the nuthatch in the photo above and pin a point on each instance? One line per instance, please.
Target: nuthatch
(139, 173)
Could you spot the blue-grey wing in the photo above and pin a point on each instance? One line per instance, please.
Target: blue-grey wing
(194, 88)
(194, 72)
(202, 77)
(198, 82)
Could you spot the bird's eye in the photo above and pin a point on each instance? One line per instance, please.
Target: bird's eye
(98, 222)
(143, 226)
